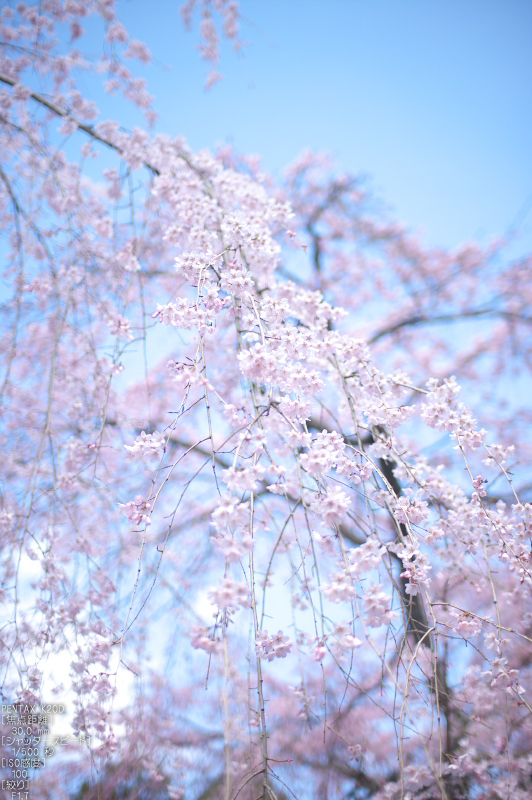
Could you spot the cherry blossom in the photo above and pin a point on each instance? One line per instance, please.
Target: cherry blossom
(230, 594)
(234, 402)
(275, 646)
(146, 445)
(137, 511)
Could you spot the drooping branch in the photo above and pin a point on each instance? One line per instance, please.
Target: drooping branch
(416, 616)
(63, 112)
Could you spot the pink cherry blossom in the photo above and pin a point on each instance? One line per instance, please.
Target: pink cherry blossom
(234, 402)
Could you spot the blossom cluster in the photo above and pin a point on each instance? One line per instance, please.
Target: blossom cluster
(137, 510)
(442, 411)
(229, 595)
(147, 445)
(276, 646)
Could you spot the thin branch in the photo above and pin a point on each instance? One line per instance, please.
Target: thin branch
(424, 320)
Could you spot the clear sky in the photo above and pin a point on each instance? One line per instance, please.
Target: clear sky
(430, 98)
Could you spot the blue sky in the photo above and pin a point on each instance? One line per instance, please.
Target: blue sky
(429, 98)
